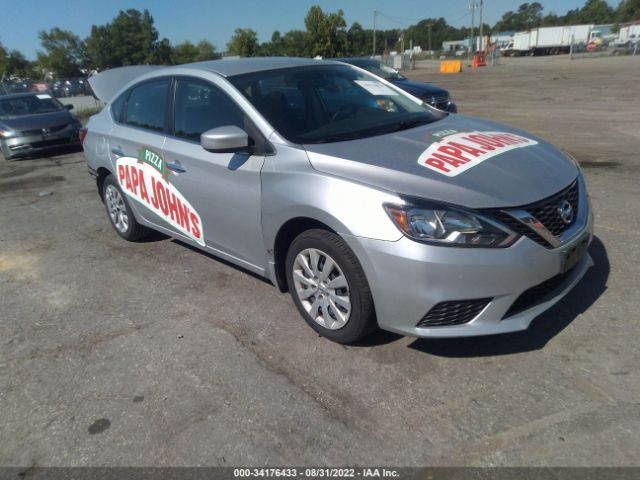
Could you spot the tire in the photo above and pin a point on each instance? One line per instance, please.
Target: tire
(332, 319)
(119, 212)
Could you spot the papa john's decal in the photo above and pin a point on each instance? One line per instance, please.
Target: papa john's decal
(455, 152)
(146, 180)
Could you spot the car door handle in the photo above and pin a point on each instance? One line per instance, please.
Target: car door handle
(176, 167)
(118, 151)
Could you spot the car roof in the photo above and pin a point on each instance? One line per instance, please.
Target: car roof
(107, 84)
(18, 95)
(239, 66)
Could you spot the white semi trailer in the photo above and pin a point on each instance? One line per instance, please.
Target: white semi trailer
(628, 36)
(553, 40)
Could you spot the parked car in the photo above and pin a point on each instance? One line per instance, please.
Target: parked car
(74, 87)
(432, 95)
(57, 89)
(31, 123)
(371, 208)
(40, 87)
(14, 87)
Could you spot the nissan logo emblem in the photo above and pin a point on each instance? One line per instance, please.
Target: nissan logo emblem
(565, 211)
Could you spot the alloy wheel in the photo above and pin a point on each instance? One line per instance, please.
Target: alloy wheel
(322, 288)
(116, 208)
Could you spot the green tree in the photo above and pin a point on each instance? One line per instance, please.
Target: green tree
(593, 11)
(130, 39)
(551, 20)
(187, 52)
(358, 40)
(528, 16)
(597, 11)
(63, 52)
(244, 42)
(628, 10)
(100, 56)
(3, 61)
(272, 48)
(162, 52)
(16, 65)
(295, 43)
(326, 32)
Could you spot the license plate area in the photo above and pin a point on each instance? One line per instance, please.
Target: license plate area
(572, 256)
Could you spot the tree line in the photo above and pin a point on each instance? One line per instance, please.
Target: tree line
(132, 39)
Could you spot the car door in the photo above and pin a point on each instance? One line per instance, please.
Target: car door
(135, 144)
(223, 189)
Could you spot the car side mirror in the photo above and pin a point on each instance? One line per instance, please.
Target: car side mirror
(225, 139)
(68, 106)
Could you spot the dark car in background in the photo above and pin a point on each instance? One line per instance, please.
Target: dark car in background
(14, 87)
(430, 94)
(57, 88)
(74, 87)
(31, 123)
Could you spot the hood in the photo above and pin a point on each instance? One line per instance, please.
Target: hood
(35, 122)
(419, 89)
(458, 160)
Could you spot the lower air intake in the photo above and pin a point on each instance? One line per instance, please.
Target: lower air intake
(456, 312)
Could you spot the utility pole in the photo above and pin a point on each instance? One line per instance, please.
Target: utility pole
(481, 20)
(430, 25)
(375, 13)
(472, 6)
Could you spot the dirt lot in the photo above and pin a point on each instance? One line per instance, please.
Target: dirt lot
(114, 353)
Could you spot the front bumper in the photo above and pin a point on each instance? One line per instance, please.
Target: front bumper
(33, 144)
(408, 278)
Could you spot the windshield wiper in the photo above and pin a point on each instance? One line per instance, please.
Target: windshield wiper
(414, 122)
(338, 138)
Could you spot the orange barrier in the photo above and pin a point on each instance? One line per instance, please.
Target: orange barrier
(450, 66)
(479, 60)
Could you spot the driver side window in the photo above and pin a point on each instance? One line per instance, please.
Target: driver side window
(201, 106)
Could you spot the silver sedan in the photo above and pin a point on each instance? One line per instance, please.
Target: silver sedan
(372, 208)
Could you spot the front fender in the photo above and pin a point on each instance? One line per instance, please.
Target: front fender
(291, 188)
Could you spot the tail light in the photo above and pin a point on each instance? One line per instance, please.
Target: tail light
(83, 134)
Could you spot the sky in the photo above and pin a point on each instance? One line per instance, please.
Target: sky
(215, 20)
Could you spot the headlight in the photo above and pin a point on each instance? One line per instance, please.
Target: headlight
(8, 133)
(448, 226)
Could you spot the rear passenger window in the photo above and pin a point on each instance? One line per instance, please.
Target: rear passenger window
(200, 107)
(117, 107)
(146, 105)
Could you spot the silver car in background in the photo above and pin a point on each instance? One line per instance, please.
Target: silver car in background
(32, 123)
(372, 208)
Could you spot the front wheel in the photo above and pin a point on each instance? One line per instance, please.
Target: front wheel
(329, 287)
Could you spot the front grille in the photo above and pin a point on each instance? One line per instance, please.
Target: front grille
(40, 131)
(538, 294)
(440, 100)
(41, 144)
(455, 312)
(546, 212)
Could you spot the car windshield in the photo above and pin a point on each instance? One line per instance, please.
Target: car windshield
(330, 103)
(28, 105)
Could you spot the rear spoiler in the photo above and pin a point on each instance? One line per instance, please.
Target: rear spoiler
(106, 84)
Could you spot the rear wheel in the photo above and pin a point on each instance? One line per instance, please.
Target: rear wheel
(329, 287)
(120, 213)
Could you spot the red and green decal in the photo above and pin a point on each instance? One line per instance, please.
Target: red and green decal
(455, 152)
(146, 180)
(150, 157)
